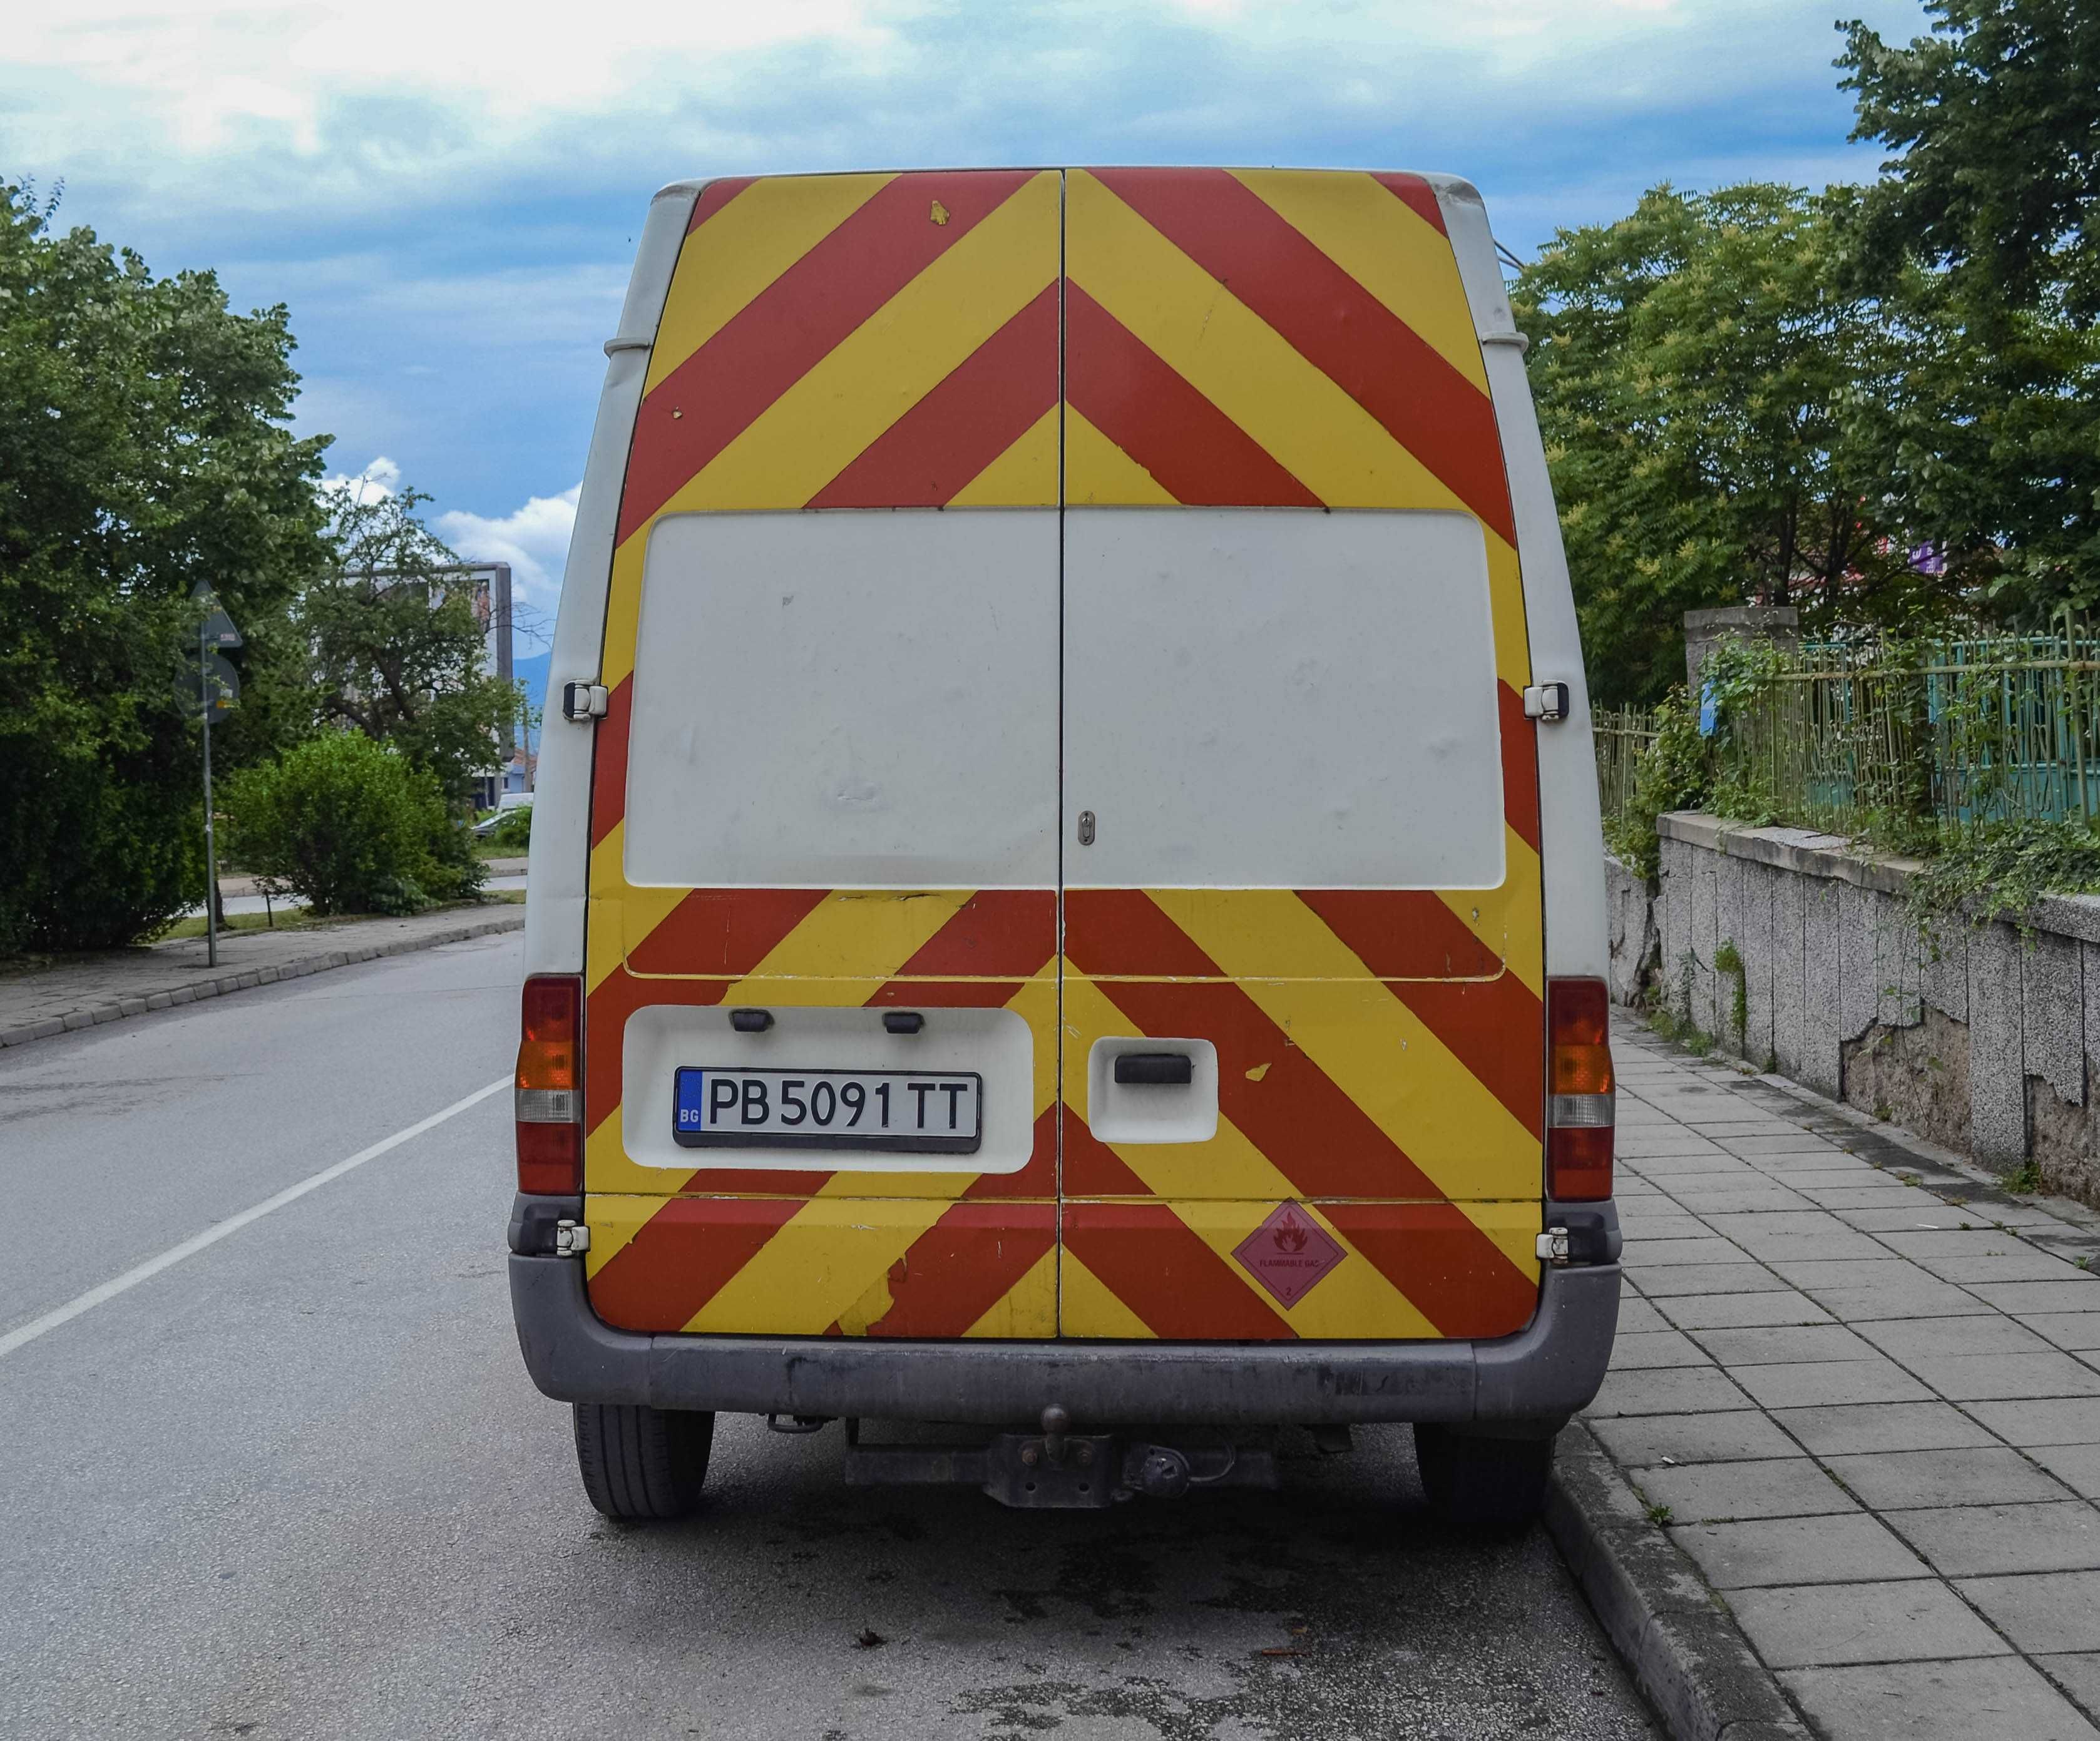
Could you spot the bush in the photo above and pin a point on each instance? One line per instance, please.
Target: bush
(513, 832)
(348, 826)
(1674, 773)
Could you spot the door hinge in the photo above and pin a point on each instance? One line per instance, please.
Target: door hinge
(571, 1239)
(583, 700)
(1552, 1245)
(1545, 701)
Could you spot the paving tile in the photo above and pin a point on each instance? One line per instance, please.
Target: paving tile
(1669, 1223)
(2066, 1420)
(1731, 1436)
(1694, 1312)
(1772, 1347)
(1794, 1142)
(1669, 1281)
(1952, 1242)
(1846, 1272)
(1978, 1540)
(1675, 1390)
(1664, 1168)
(2076, 1466)
(1651, 1348)
(1726, 1197)
(1637, 1316)
(2040, 1296)
(1920, 1296)
(1803, 1384)
(1652, 1254)
(1982, 1377)
(1732, 1124)
(1993, 1697)
(1837, 1243)
(1903, 1217)
(1872, 1194)
(1937, 1339)
(1786, 1487)
(1638, 1142)
(1843, 1429)
(2042, 1612)
(1799, 1626)
(2079, 1675)
(1910, 1480)
(1998, 1268)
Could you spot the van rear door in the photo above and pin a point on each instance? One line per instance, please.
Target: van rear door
(825, 790)
(1303, 951)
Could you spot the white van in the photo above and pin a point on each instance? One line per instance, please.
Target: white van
(1068, 895)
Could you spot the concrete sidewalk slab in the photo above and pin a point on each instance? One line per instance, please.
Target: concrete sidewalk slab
(1863, 1402)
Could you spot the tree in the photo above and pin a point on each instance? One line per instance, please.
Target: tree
(396, 646)
(1983, 236)
(1698, 378)
(143, 449)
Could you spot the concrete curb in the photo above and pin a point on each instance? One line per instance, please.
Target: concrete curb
(1679, 1639)
(94, 1015)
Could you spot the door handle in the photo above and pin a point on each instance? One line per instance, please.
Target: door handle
(1162, 1068)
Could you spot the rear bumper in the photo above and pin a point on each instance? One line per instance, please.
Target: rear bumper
(1543, 1374)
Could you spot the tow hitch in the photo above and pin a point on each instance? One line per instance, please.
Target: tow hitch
(1059, 1470)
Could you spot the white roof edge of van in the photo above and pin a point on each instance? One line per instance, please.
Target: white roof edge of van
(1454, 187)
(687, 189)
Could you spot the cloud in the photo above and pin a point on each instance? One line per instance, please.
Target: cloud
(534, 540)
(379, 480)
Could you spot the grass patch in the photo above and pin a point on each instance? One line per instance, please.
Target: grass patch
(297, 917)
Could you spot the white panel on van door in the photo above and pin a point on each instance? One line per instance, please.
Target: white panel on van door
(847, 700)
(1281, 697)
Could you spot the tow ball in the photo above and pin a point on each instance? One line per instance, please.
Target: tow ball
(1057, 1468)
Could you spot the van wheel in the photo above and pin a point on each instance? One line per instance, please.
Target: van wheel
(1493, 1486)
(642, 1464)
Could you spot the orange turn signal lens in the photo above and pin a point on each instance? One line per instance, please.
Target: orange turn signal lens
(550, 1101)
(1581, 1103)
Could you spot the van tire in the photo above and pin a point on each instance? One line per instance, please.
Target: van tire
(1489, 1486)
(642, 1465)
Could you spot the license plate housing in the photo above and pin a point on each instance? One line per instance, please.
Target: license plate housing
(925, 1112)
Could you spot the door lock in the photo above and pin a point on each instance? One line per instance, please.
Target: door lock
(1086, 828)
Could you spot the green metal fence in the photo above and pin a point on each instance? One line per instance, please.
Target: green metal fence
(1870, 739)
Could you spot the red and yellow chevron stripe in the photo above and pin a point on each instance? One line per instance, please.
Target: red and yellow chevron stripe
(1097, 339)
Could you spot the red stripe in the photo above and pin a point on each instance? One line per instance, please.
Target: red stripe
(1456, 1276)
(1181, 1288)
(1123, 931)
(715, 195)
(1403, 933)
(963, 1265)
(1091, 1168)
(609, 761)
(1192, 450)
(1495, 1028)
(1039, 1178)
(792, 325)
(1416, 194)
(726, 931)
(681, 1256)
(1009, 932)
(1520, 765)
(988, 403)
(1332, 321)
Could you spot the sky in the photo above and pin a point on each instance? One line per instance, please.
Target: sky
(446, 196)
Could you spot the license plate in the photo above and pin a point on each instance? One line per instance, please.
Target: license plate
(912, 1112)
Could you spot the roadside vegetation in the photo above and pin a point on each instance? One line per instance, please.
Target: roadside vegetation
(146, 452)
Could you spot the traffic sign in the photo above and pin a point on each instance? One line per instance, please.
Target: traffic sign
(220, 681)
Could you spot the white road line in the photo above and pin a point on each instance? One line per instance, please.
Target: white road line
(211, 1235)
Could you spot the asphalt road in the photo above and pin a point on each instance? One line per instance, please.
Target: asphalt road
(296, 1484)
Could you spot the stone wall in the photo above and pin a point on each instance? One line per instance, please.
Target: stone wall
(1798, 954)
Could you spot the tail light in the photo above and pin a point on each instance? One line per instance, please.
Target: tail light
(550, 1087)
(1581, 1107)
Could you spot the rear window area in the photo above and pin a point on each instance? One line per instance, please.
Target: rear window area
(1281, 697)
(865, 699)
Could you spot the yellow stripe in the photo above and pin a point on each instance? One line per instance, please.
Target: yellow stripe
(1511, 919)
(622, 607)
(811, 1272)
(1238, 362)
(1086, 1307)
(730, 260)
(1029, 1308)
(1375, 1049)
(819, 425)
(1096, 470)
(1387, 246)
(1025, 476)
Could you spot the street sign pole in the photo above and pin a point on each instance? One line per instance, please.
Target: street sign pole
(210, 853)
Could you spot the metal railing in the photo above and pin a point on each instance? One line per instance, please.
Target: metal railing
(1901, 742)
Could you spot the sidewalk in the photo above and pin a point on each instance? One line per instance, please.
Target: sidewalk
(82, 993)
(1868, 1408)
